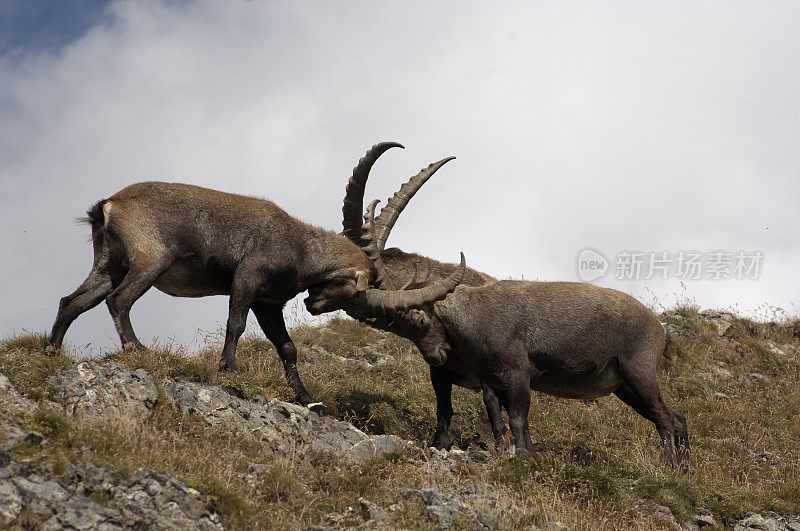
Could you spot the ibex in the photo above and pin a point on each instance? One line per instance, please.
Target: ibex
(566, 339)
(189, 241)
(395, 269)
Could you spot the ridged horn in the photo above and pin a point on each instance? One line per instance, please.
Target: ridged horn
(398, 301)
(389, 214)
(369, 239)
(354, 195)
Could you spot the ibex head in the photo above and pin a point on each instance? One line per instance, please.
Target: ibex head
(360, 291)
(363, 293)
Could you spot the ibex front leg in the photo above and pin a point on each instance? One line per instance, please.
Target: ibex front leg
(442, 382)
(270, 318)
(243, 290)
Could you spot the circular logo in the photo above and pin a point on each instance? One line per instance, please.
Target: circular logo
(591, 264)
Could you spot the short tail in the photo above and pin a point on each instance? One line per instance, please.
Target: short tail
(96, 218)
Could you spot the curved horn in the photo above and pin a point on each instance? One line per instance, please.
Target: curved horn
(368, 241)
(394, 301)
(354, 195)
(400, 199)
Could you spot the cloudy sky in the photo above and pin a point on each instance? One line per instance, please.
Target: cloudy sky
(623, 127)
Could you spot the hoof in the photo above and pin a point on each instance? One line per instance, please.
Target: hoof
(500, 440)
(228, 367)
(441, 444)
(524, 453)
(133, 345)
(50, 350)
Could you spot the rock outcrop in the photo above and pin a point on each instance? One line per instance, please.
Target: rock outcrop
(89, 497)
(91, 389)
(282, 426)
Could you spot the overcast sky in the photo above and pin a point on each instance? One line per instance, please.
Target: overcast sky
(617, 126)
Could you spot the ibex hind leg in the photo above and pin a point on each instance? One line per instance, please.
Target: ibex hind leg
(142, 274)
(681, 440)
(518, 402)
(95, 288)
(117, 273)
(270, 319)
(644, 396)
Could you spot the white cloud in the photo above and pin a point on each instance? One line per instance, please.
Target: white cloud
(616, 126)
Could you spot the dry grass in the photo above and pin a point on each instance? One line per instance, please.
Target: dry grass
(594, 465)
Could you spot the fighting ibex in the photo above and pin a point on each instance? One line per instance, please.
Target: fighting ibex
(566, 339)
(189, 241)
(396, 268)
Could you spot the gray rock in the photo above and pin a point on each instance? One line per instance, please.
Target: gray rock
(10, 502)
(657, 512)
(281, 426)
(704, 518)
(721, 373)
(766, 457)
(12, 401)
(766, 522)
(722, 321)
(662, 514)
(35, 487)
(476, 504)
(90, 389)
(11, 434)
(257, 468)
(372, 513)
(679, 330)
(146, 498)
(749, 378)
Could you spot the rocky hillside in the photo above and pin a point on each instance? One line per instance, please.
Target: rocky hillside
(161, 439)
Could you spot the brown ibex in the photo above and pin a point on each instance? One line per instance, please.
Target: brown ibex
(567, 339)
(189, 241)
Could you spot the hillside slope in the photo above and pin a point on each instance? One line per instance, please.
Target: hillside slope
(160, 438)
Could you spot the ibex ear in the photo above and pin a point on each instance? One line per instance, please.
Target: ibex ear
(362, 281)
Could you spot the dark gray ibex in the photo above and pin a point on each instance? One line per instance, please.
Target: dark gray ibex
(395, 269)
(189, 241)
(566, 339)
